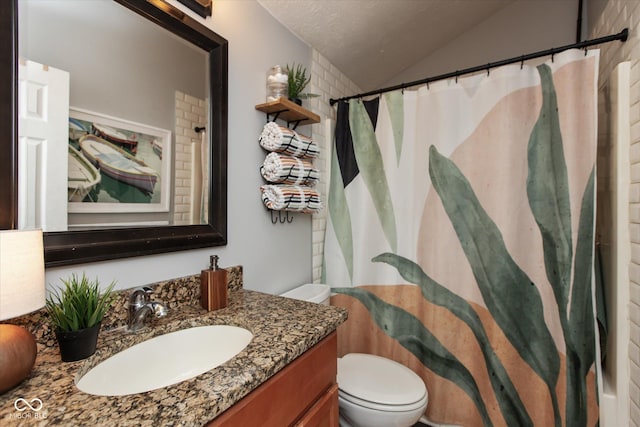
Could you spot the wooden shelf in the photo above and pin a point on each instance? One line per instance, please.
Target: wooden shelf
(288, 111)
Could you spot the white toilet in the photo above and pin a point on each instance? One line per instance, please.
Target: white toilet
(372, 391)
(310, 292)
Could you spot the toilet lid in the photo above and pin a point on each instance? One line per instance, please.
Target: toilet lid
(380, 380)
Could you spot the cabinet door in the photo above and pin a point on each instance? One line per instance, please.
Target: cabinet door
(324, 413)
(286, 397)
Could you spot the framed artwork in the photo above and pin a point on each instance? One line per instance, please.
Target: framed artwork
(116, 165)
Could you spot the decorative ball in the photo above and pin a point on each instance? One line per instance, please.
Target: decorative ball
(17, 355)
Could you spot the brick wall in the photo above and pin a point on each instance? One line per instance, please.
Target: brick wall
(328, 82)
(634, 231)
(612, 18)
(190, 112)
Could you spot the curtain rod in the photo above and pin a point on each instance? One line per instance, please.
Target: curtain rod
(622, 36)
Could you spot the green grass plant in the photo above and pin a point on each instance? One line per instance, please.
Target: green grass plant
(79, 304)
(298, 81)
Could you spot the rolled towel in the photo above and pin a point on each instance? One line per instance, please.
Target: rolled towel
(282, 169)
(293, 198)
(280, 139)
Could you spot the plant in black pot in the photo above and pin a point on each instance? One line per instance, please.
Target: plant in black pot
(76, 313)
(298, 81)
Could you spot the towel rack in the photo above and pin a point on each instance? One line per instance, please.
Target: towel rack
(294, 115)
(280, 219)
(288, 111)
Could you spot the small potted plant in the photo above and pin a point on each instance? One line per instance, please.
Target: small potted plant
(298, 81)
(76, 313)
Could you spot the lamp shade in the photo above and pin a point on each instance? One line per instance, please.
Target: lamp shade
(22, 284)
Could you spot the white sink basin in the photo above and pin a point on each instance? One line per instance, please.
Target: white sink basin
(165, 360)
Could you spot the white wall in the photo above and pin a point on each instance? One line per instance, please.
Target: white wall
(520, 28)
(275, 257)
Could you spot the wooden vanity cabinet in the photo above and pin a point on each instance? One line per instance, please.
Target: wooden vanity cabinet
(303, 394)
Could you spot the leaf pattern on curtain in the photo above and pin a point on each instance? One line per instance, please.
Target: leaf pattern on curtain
(395, 104)
(512, 408)
(510, 296)
(372, 169)
(580, 333)
(548, 192)
(411, 333)
(339, 213)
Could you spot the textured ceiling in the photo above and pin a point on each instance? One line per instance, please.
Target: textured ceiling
(372, 41)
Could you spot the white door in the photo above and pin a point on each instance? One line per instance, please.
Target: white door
(43, 132)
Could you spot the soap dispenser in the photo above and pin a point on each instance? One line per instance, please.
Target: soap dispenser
(213, 286)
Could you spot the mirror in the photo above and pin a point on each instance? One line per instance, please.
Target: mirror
(142, 118)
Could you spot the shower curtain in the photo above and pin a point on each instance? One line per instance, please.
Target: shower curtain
(460, 239)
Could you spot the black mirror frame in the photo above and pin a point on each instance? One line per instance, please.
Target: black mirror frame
(197, 7)
(66, 248)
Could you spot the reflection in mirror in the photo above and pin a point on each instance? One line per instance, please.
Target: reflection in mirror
(136, 126)
(126, 151)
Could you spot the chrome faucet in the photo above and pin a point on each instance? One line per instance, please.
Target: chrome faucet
(140, 307)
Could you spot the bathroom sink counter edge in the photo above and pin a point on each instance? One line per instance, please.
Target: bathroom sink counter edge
(283, 329)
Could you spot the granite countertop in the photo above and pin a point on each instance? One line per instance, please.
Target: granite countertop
(283, 329)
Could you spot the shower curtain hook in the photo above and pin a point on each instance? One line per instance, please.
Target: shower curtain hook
(585, 51)
(488, 69)
(522, 62)
(456, 76)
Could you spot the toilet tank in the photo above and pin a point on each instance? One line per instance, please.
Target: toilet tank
(310, 292)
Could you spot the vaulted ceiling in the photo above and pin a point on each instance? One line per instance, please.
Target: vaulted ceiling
(371, 41)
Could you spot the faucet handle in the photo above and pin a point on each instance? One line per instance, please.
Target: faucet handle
(140, 296)
(159, 309)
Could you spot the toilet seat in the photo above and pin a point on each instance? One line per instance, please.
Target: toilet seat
(382, 407)
(378, 383)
